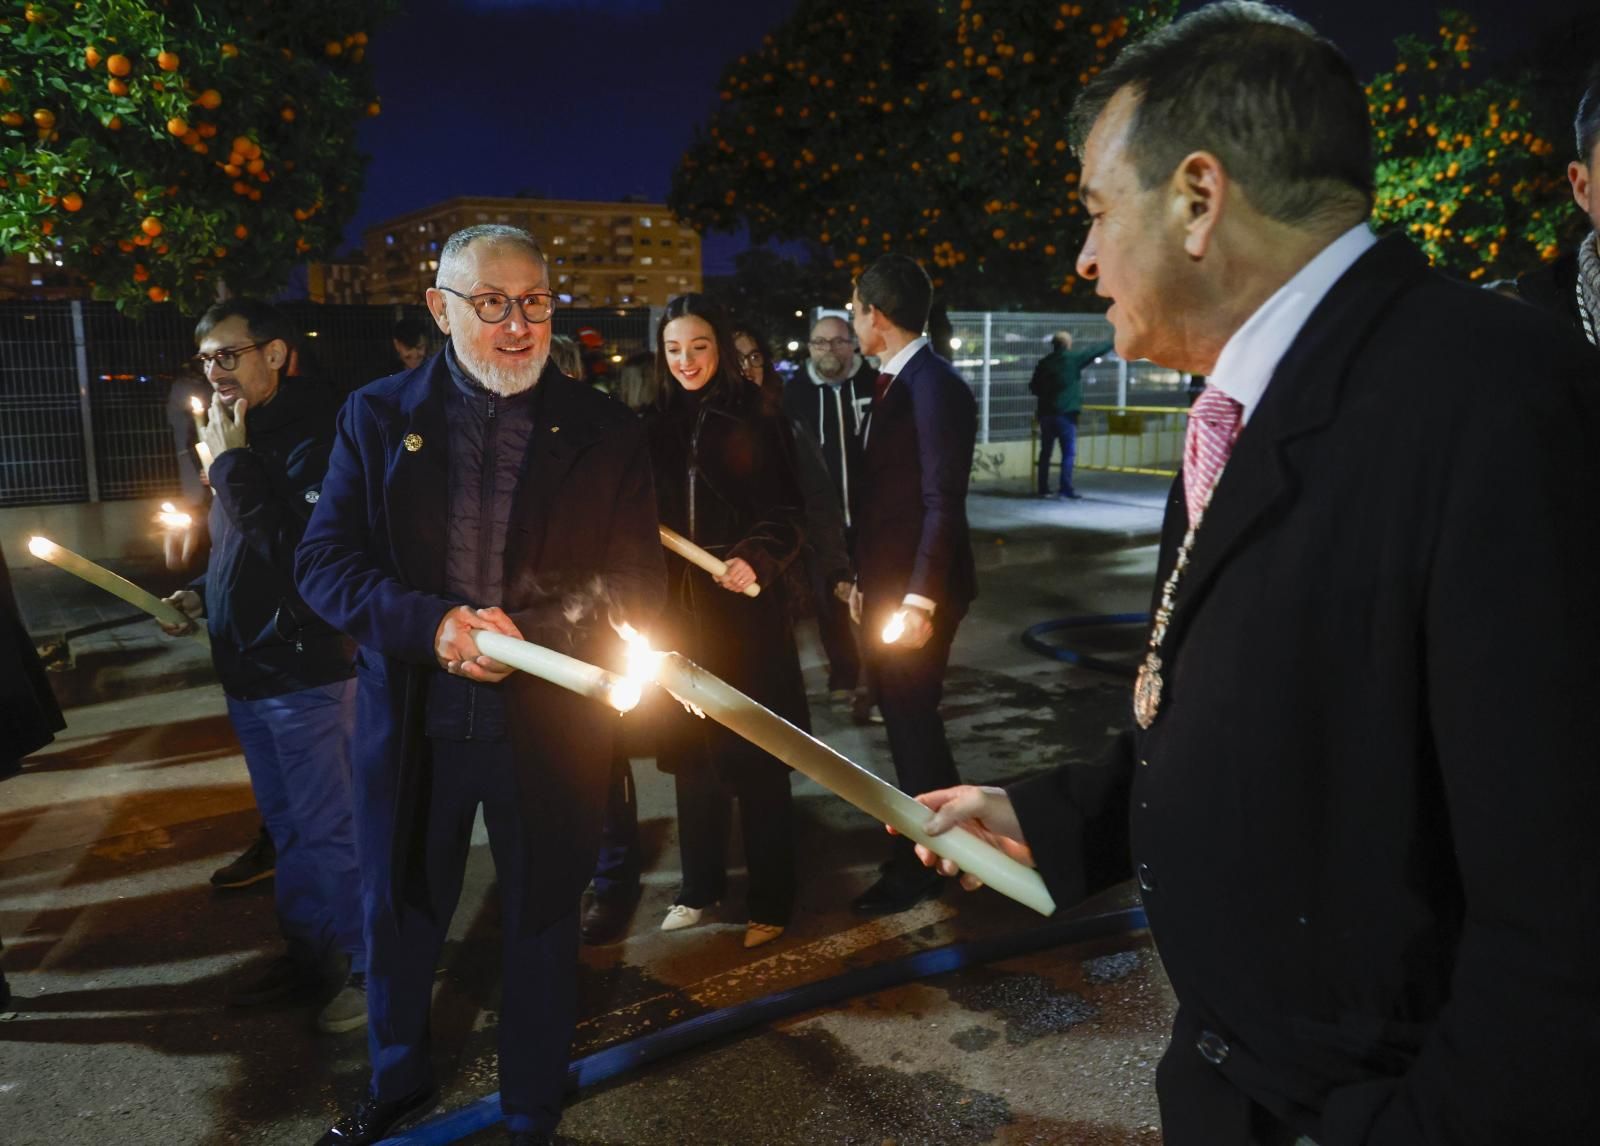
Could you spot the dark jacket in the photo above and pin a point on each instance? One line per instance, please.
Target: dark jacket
(582, 542)
(724, 480)
(831, 414)
(29, 714)
(1364, 816)
(1553, 287)
(1058, 379)
(264, 640)
(912, 534)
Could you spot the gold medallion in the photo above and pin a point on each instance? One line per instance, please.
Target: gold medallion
(412, 443)
(1147, 692)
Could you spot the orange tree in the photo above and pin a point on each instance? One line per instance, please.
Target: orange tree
(158, 149)
(934, 129)
(1461, 166)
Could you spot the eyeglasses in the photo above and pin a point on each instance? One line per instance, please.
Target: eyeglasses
(831, 343)
(227, 359)
(754, 358)
(493, 307)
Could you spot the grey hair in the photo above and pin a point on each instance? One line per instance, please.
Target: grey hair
(492, 234)
(1279, 105)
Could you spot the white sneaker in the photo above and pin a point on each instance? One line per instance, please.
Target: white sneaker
(756, 934)
(679, 917)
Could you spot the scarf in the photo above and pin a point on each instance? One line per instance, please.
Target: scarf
(1588, 286)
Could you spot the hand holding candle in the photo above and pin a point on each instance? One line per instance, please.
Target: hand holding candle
(46, 550)
(909, 626)
(458, 645)
(695, 555)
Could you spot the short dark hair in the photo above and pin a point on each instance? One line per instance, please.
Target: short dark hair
(728, 387)
(899, 287)
(265, 322)
(1279, 105)
(410, 332)
(1586, 124)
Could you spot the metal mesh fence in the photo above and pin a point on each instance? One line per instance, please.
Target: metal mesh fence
(76, 373)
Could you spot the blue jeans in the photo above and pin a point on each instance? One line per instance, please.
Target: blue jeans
(296, 747)
(1055, 428)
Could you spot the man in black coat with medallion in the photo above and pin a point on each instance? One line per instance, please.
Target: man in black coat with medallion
(1362, 789)
(482, 490)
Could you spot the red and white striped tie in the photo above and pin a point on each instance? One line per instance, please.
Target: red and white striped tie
(1213, 428)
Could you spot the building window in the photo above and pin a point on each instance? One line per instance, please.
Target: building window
(644, 223)
(645, 242)
(646, 261)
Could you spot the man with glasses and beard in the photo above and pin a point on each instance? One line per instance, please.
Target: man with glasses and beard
(1570, 286)
(829, 400)
(481, 491)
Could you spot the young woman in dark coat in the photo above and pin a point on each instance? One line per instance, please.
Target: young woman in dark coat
(724, 480)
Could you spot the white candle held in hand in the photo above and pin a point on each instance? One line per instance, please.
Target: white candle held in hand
(198, 411)
(558, 668)
(46, 550)
(695, 555)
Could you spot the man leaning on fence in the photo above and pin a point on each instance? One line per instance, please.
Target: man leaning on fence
(288, 676)
(1362, 791)
(1058, 384)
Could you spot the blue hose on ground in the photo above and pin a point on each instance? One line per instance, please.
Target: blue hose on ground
(613, 1061)
(1032, 639)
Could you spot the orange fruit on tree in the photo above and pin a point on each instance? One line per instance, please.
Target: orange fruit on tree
(229, 51)
(141, 240)
(12, 119)
(124, 245)
(177, 125)
(150, 225)
(191, 137)
(158, 85)
(46, 227)
(45, 118)
(114, 123)
(255, 196)
(118, 65)
(116, 87)
(91, 56)
(241, 188)
(210, 98)
(140, 272)
(167, 61)
(241, 231)
(156, 294)
(220, 252)
(333, 48)
(287, 114)
(5, 83)
(207, 130)
(255, 165)
(72, 201)
(231, 170)
(242, 144)
(374, 108)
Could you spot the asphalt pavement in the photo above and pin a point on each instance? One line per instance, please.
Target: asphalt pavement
(121, 956)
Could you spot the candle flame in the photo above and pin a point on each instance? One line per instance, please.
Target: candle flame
(41, 547)
(171, 517)
(895, 629)
(195, 406)
(643, 664)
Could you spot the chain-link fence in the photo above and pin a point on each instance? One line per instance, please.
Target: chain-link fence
(85, 390)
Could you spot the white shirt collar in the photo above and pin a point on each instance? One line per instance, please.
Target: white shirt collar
(898, 362)
(1250, 356)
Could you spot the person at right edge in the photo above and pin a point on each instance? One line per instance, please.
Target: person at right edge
(1057, 383)
(913, 551)
(1570, 286)
(1362, 785)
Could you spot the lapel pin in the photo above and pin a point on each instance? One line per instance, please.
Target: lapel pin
(412, 443)
(553, 429)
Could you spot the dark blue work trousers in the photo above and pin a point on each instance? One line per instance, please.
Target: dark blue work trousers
(538, 1007)
(1055, 428)
(296, 747)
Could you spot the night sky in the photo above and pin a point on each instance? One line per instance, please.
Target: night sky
(597, 99)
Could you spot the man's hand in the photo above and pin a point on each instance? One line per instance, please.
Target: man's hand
(457, 648)
(739, 576)
(986, 813)
(854, 601)
(918, 627)
(224, 428)
(187, 602)
(844, 590)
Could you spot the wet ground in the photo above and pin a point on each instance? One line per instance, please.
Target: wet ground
(121, 956)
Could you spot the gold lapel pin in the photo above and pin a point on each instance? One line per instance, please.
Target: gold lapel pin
(412, 443)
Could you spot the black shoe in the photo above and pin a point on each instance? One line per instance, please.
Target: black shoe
(606, 917)
(894, 893)
(257, 863)
(371, 1120)
(283, 978)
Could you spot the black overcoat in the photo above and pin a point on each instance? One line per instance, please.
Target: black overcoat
(1364, 820)
(373, 564)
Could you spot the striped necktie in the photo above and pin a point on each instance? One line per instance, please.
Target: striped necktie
(1213, 428)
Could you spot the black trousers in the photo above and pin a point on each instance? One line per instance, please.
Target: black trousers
(538, 1007)
(766, 820)
(834, 627)
(909, 684)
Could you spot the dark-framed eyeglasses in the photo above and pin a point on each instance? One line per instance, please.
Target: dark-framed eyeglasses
(493, 306)
(227, 358)
(754, 358)
(831, 343)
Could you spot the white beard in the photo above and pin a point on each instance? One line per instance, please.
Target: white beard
(507, 379)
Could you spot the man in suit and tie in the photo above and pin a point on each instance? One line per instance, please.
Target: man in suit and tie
(482, 490)
(1362, 788)
(913, 552)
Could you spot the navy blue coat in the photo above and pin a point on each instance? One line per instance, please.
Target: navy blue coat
(911, 528)
(372, 563)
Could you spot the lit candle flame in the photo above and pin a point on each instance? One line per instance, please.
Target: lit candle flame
(41, 547)
(171, 517)
(643, 664)
(196, 407)
(895, 629)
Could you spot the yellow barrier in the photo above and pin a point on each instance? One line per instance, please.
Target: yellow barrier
(1128, 439)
